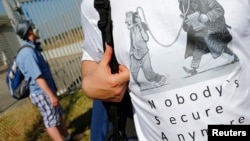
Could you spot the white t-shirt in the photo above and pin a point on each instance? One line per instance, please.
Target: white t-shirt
(183, 76)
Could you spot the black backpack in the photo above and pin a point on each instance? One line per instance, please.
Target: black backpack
(18, 86)
(120, 115)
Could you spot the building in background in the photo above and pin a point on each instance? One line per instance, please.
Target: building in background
(9, 42)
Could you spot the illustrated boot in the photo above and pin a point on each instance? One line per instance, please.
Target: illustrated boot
(236, 59)
(162, 81)
(190, 71)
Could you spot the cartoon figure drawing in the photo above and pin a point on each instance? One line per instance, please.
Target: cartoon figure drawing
(206, 31)
(139, 51)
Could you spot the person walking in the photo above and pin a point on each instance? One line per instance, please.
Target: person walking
(207, 31)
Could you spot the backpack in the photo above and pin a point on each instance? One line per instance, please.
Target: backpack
(119, 115)
(18, 86)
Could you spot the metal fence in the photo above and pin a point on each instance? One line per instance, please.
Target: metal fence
(61, 37)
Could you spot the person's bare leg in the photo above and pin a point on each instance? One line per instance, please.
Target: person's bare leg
(54, 134)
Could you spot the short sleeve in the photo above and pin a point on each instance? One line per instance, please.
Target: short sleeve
(92, 44)
(29, 63)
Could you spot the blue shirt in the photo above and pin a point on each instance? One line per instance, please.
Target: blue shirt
(33, 65)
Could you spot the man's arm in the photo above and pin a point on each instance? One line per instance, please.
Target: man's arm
(99, 83)
(44, 86)
(28, 58)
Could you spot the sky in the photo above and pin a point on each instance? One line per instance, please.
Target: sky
(52, 16)
(2, 10)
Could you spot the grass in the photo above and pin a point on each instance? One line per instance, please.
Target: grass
(24, 123)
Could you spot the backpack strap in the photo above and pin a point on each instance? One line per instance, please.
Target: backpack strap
(105, 25)
(24, 46)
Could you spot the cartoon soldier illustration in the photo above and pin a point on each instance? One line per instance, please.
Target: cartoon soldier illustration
(139, 51)
(206, 31)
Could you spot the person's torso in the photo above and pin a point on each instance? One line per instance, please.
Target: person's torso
(181, 107)
(41, 65)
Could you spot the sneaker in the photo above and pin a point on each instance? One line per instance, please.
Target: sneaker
(69, 138)
(77, 137)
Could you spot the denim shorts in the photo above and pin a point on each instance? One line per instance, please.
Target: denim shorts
(51, 115)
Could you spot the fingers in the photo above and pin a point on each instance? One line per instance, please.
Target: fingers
(124, 73)
(54, 104)
(122, 77)
(107, 55)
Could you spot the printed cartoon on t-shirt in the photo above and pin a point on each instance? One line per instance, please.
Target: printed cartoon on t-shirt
(205, 44)
(206, 30)
(139, 52)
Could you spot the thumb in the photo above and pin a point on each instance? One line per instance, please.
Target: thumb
(107, 54)
(124, 73)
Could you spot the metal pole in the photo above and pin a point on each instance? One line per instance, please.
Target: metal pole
(10, 12)
(11, 15)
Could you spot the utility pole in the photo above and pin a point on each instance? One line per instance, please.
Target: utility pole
(14, 12)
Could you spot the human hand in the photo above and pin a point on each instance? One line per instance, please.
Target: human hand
(203, 18)
(188, 22)
(54, 101)
(102, 84)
